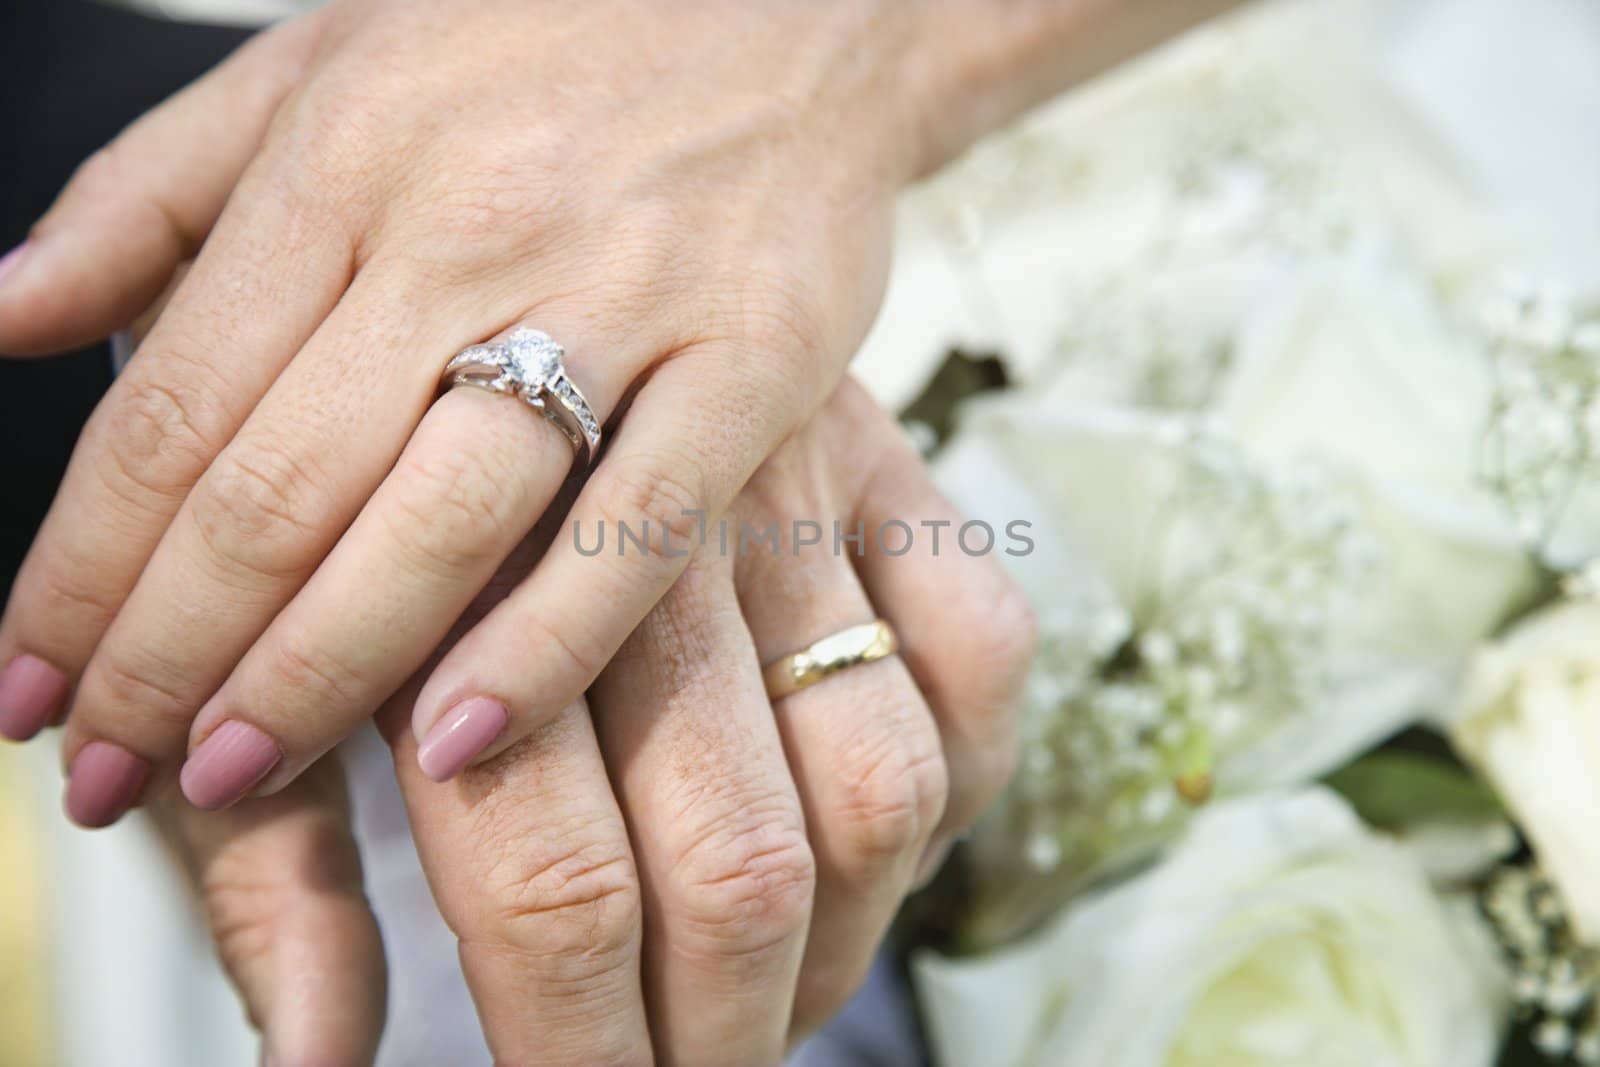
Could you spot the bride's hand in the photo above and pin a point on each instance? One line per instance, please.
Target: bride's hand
(270, 521)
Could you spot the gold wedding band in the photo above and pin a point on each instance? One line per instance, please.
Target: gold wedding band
(834, 653)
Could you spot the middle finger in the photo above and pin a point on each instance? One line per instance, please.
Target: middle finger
(866, 755)
(718, 832)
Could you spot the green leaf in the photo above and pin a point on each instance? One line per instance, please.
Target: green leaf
(962, 375)
(1393, 790)
(1519, 1051)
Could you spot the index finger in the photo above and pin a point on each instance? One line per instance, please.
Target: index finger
(196, 379)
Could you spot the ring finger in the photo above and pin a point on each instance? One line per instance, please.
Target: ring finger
(865, 753)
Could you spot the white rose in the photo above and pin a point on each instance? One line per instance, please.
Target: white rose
(1097, 486)
(1012, 246)
(1429, 55)
(1280, 930)
(1530, 719)
(1360, 366)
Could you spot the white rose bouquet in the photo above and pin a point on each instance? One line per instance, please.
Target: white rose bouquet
(1311, 748)
(1280, 931)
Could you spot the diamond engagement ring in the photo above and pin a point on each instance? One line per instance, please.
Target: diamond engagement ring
(528, 365)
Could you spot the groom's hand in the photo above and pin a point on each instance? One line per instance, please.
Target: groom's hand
(279, 882)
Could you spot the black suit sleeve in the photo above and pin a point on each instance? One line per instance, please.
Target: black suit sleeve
(72, 74)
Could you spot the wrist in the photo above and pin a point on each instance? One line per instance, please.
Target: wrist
(974, 65)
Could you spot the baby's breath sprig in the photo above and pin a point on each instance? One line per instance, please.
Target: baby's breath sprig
(1555, 977)
(1152, 357)
(1130, 707)
(1542, 445)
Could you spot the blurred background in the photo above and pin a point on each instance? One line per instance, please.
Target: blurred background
(1467, 132)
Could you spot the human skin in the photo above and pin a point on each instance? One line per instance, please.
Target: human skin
(663, 846)
(695, 198)
(271, 522)
(675, 871)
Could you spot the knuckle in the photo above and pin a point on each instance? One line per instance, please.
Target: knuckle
(110, 172)
(114, 174)
(298, 667)
(244, 916)
(64, 588)
(744, 886)
(891, 801)
(248, 902)
(982, 708)
(103, 172)
(324, 142)
(1011, 636)
(125, 684)
(253, 508)
(661, 502)
(785, 316)
(452, 512)
(583, 654)
(156, 434)
(577, 906)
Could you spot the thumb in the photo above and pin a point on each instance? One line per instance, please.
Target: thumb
(280, 882)
(145, 202)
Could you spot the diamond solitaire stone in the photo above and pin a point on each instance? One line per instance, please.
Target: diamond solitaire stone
(536, 355)
(529, 365)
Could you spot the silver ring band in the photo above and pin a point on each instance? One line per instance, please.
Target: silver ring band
(530, 366)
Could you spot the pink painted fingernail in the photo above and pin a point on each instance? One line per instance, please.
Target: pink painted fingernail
(461, 736)
(227, 765)
(13, 259)
(32, 694)
(103, 782)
